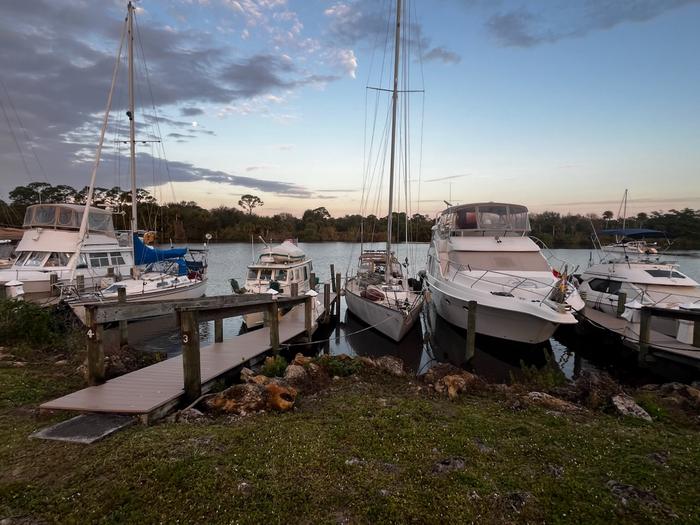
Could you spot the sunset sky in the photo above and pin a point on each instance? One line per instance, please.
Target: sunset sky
(555, 104)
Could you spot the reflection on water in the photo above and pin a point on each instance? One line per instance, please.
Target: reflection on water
(431, 340)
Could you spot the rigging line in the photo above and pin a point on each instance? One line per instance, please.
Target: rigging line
(155, 112)
(24, 130)
(14, 137)
(398, 90)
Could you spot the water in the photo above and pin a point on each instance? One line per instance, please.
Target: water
(431, 340)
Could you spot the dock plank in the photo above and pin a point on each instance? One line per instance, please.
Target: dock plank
(147, 389)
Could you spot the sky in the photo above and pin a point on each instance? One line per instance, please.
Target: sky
(555, 104)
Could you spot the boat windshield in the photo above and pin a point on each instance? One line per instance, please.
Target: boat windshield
(499, 261)
(252, 274)
(481, 217)
(281, 275)
(67, 216)
(265, 274)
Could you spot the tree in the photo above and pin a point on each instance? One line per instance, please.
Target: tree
(248, 202)
(607, 215)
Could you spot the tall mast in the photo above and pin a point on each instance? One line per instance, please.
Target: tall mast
(394, 99)
(132, 124)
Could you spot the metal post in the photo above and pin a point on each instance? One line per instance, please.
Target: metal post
(218, 330)
(123, 325)
(326, 302)
(191, 366)
(621, 301)
(95, 352)
(644, 335)
(471, 330)
(273, 315)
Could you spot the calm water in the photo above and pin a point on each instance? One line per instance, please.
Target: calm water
(432, 340)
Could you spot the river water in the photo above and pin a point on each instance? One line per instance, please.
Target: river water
(433, 339)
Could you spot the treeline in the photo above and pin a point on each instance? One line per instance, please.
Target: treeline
(187, 221)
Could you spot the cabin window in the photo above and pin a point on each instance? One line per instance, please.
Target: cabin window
(466, 219)
(57, 259)
(605, 286)
(265, 274)
(65, 217)
(493, 217)
(665, 273)
(281, 275)
(252, 274)
(28, 216)
(297, 275)
(100, 222)
(22, 257)
(45, 215)
(117, 258)
(82, 261)
(35, 259)
(306, 273)
(99, 260)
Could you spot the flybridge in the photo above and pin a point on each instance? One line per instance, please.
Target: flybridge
(483, 217)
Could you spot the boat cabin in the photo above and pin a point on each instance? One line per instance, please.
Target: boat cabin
(68, 217)
(482, 219)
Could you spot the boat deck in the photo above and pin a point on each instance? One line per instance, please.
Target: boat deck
(151, 388)
(661, 345)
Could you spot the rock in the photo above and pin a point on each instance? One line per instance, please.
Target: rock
(447, 378)
(301, 360)
(247, 375)
(260, 379)
(693, 395)
(670, 388)
(440, 370)
(517, 500)
(367, 361)
(354, 461)
(391, 364)
(626, 406)
(556, 471)
(660, 458)
(296, 374)
(115, 366)
(253, 397)
(628, 493)
(592, 389)
(18, 364)
(483, 447)
(449, 464)
(245, 488)
(651, 387)
(455, 385)
(191, 415)
(553, 403)
(383, 493)
(6, 357)
(62, 362)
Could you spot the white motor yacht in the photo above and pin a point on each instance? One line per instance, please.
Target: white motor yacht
(633, 266)
(278, 267)
(50, 245)
(481, 252)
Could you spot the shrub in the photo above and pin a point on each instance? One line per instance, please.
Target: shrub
(274, 366)
(341, 367)
(24, 322)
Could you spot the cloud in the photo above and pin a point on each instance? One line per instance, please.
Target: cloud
(189, 111)
(443, 55)
(521, 27)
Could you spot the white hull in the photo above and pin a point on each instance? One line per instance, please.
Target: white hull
(391, 322)
(501, 323)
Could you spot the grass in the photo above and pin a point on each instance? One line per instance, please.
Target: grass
(362, 451)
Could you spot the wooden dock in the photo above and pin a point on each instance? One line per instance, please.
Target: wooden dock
(153, 391)
(651, 344)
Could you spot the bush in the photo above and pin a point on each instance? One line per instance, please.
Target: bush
(341, 367)
(24, 322)
(274, 366)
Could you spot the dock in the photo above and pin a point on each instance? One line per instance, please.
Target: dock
(152, 392)
(651, 344)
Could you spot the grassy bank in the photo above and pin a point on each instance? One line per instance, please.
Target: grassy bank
(371, 448)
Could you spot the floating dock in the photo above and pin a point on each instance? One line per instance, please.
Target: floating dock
(153, 391)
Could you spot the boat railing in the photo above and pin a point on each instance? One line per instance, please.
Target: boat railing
(551, 285)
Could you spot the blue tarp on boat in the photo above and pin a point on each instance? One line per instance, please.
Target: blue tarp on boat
(146, 254)
(634, 232)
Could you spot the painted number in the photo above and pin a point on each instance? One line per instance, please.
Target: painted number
(90, 334)
(185, 338)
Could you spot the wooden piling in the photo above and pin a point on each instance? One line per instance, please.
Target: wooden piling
(312, 281)
(3, 291)
(53, 284)
(644, 335)
(621, 301)
(110, 271)
(218, 330)
(123, 325)
(294, 289)
(332, 275)
(337, 297)
(326, 302)
(95, 351)
(80, 283)
(696, 334)
(191, 366)
(273, 315)
(308, 322)
(471, 331)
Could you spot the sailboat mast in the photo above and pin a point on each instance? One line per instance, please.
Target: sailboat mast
(394, 104)
(132, 123)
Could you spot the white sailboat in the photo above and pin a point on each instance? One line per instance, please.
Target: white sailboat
(155, 274)
(379, 293)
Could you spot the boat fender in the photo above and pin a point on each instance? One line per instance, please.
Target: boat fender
(415, 284)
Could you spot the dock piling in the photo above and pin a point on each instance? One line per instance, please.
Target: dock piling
(273, 315)
(312, 281)
(644, 335)
(337, 296)
(95, 351)
(80, 283)
(53, 284)
(191, 366)
(307, 317)
(326, 302)
(471, 330)
(621, 301)
(294, 291)
(696, 334)
(123, 325)
(218, 330)
(332, 275)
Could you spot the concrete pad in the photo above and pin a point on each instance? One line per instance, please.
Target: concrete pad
(86, 428)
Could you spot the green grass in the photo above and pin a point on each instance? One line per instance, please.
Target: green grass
(296, 471)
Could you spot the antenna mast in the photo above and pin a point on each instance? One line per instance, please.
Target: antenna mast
(132, 124)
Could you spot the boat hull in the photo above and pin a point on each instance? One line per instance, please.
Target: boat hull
(494, 322)
(388, 321)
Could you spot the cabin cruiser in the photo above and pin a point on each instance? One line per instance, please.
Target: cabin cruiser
(277, 268)
(50, 246)
(481, 252)
(7, 249)
(634, 266)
